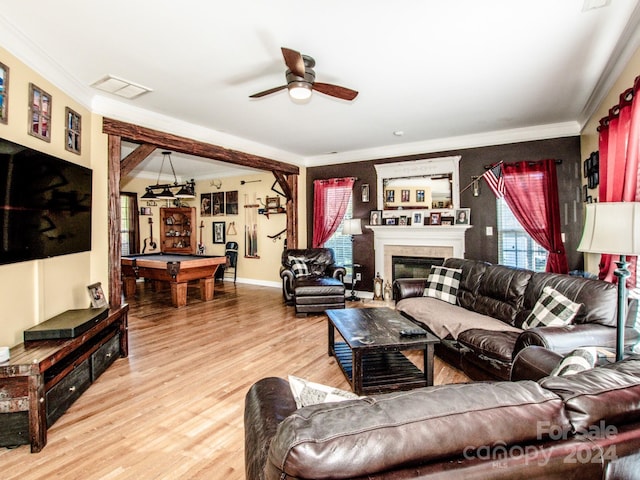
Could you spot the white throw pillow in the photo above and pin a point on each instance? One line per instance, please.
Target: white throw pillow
(579, 360)
(443, 284)
(310, 393)
(551, 310)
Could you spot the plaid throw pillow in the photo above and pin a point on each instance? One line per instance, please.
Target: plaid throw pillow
(443, 283)
(579, 360)
(299, 267)
(551, 310)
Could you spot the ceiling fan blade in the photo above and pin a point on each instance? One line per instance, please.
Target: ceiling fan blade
(335, 91)
(267, 92)
(294, 61)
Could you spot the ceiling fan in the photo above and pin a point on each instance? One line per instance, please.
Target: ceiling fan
(301, 79)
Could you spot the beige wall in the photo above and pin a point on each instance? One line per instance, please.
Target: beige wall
(31, 292)
(263, 270)
(589, 135)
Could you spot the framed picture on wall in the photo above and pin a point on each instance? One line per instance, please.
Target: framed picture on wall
(39, 113)
(218, 232)
(434, 218)
(205, 205)
(4, 93)
(365, 193)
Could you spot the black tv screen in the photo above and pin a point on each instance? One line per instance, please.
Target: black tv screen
(45, 205)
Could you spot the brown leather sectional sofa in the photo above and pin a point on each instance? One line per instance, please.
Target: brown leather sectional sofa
(508, 295)
(583, 426)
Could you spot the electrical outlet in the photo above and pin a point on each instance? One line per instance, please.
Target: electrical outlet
(358, 276)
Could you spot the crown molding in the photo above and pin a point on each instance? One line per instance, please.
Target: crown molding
(23, 48)
(627, 45)
(539, 132)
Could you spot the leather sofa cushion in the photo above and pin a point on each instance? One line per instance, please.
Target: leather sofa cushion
(317, 286)
(610, 394)
(360, 437)
(501, 292)
(496, 345)
(599, 299)
(472, 272)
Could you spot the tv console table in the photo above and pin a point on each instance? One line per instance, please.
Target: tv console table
(43, 378)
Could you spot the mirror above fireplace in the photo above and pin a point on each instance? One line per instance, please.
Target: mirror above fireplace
(421, 184)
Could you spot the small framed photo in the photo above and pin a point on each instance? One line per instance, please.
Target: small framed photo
(462, 216)
(403, 220)
(420, 196)
(375, 217)
(96, 294)
(364, 192)
(391, 221)
(218, 232)
(446, 220)
(434, 218)
(145, 210)
(417, 219)
(405, 195)
(205, 204)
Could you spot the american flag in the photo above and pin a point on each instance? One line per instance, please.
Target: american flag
(495, 180)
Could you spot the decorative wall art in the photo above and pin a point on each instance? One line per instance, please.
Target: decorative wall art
(218, 232)
(39, 113)
(462, 216)
(4, 93)
(205, 204)
(232, 202)
(217, 203)
(365, 193)
(72, 130)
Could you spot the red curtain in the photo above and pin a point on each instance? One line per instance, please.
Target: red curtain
(619, 150)
(330, 201)
(531, 191)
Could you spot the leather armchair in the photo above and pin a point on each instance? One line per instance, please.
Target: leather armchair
(321, 288)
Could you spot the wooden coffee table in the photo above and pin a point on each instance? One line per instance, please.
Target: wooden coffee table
(370, 356)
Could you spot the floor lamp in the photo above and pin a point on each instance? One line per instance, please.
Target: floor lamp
(614, 228)
(352, 226)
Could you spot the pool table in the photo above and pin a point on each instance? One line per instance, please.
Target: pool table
(178, 270)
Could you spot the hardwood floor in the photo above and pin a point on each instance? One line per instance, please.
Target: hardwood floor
(174, 408)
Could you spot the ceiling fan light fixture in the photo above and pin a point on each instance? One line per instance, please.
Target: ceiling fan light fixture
(299, 90)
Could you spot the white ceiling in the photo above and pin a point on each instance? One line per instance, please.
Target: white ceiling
(447, 73)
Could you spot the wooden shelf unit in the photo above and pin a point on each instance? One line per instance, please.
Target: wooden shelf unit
(44, 377)
(177, 230)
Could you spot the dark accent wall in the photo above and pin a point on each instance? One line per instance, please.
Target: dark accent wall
(479, 246)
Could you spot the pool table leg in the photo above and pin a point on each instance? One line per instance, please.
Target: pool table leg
(179, 294)
(206, 288)
(129, 284)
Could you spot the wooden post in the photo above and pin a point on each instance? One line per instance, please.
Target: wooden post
(115, 245)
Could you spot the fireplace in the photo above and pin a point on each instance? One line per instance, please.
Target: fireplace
(412, 267)
(438, 241)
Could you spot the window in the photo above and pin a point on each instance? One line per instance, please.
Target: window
(129, 232)
(515, 247)
(342, 245)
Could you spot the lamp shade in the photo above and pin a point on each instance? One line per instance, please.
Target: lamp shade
(165, 194)
(611, 227)
(185, 192)
(352, 226)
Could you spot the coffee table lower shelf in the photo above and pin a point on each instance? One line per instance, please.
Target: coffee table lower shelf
(383, 371)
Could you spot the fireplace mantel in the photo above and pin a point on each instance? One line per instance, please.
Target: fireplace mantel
(435, 240)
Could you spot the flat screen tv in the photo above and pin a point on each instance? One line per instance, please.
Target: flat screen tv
(45, 205)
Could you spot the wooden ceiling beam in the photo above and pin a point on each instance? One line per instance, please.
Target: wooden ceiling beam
(132, 160)
(176, 143)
